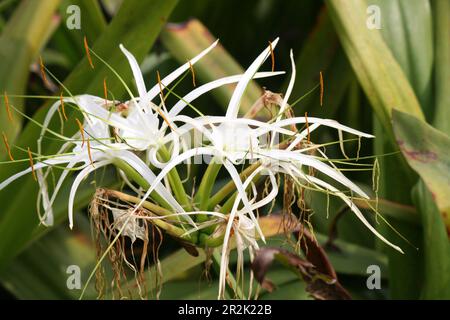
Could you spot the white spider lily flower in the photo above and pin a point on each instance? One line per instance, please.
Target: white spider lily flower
(90, 151)
(237, 138)
(298, 159)
(150, 133)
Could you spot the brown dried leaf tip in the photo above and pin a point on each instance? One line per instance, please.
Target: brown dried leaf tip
(320, 286)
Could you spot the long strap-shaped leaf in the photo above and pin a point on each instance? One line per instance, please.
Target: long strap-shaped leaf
(378, 72)
(21, 39)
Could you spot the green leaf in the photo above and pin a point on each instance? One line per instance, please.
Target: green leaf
(408, 31)
(21, 39)
(427, 151)
(136, 25)
(40, 272)
(92, 25)
(321, 52)
(436, 282)
(379, 74)
(441, 9)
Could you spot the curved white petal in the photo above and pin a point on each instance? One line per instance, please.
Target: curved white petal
(135, 162)
(137, 74)
(325, 122)
(76, 183)
(240, 187)
(353, 207)
(290, 87)
(303, 159)
(169, 166)
(194, 94)
(37, 166)
(153, 92)
(233, 106)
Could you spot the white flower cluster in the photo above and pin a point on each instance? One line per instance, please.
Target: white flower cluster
(109, 136)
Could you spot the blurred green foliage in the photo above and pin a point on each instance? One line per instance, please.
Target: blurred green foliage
(369, 74)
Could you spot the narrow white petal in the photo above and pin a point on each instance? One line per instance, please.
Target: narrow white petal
(153, 92)
(240, 187)
(135, 162)
(169, 166)
(302, 135)
(194, 94)
(37, 166)
(290, 87)
(137, 74)
(325, 122)
(354, 208)
(76, 183)
(303, 159)
(233, 106)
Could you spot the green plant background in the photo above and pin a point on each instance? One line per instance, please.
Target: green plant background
(392, 82)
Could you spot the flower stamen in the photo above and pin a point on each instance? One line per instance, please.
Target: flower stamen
(89, 152)
(158, 78)
(307, 126)
(88, 54)
(272, 56)
(8, 149)
(62, 106)
(32, 164)
(191, 67)
(321, 88)
(44, 76)
(80, 126)
(105, 91)
(8, 109)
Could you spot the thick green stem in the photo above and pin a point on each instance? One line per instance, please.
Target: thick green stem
(230, 186)
(175, 181)
(136, 177)
(204, 191)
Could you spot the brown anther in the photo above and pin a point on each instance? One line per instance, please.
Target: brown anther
(8, 109)
(158, 78)
(105, 91)
(89, 151)
(164, 118)
(61, 99)
(80, 126)
(88, 54)
(307, 125)
(8, 149)
(44, 76)
(32, 164)
(192, 72)
(321, 88)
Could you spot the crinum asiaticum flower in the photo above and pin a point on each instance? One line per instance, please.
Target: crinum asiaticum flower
(88, 150)
(142, 129)
(233, 139)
